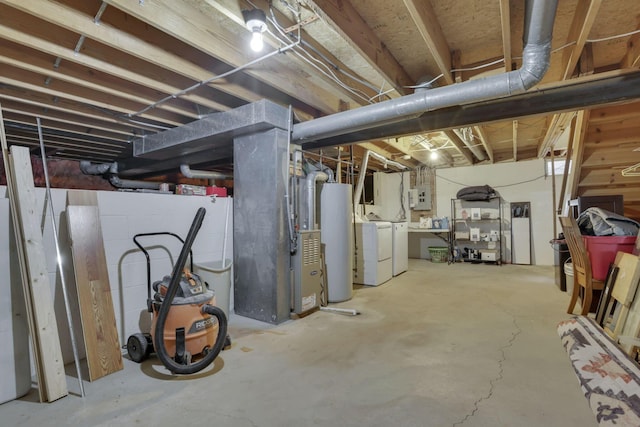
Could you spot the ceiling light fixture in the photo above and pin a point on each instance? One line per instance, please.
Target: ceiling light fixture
(434, 155)
(256, 22)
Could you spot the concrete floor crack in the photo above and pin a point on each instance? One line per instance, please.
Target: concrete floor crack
(498, 377)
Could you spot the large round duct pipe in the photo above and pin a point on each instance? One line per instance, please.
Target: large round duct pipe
(539, 19)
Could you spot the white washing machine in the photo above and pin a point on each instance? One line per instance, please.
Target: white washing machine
(400, 247)
(373, 257)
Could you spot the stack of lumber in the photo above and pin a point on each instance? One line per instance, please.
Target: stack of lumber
(47, 353)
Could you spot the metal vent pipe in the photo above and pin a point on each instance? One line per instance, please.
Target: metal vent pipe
(538, 29)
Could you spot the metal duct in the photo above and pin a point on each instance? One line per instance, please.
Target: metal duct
(88, 168)
(132, 184)
(361, 176)
(186, 171)
(310, 182)
(474, 148)
(539, 18)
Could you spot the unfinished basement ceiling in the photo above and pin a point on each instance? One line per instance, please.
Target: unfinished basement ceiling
(101, 73)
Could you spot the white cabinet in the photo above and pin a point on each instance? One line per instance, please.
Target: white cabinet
(373, 253)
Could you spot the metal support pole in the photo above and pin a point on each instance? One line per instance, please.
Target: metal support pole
(59, 258)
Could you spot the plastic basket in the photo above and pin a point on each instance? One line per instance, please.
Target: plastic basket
(438, 254)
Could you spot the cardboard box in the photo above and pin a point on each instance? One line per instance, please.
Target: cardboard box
(212, 190)
(489, 255)
(191, 190)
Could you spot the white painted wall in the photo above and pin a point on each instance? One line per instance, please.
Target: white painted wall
(515, 182)
(122, 215)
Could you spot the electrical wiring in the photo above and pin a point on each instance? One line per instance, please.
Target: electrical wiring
(494, 186)
(478, 67)
(617, 36)
(309, 58)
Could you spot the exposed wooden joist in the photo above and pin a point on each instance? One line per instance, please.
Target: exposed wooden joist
(47, 102)
(427, 23)
(160, 14)
(632, 58)
(29, 120)
(59, 89)
(460, 146)
(556, 128)
(45, 111)
(95, 81)
(344, 18)
(580, 129)
(184, 22)
(92, 63)
(583, 19)
(505, 21)
(484, 139)
(232, 10)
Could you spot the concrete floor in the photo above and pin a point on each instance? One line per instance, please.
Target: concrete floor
(440, 345)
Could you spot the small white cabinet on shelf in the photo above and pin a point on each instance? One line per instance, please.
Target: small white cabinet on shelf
(477, 230)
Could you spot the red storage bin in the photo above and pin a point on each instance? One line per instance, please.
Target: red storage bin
(602, 251)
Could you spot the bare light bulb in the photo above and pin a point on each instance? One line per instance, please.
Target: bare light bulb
(256, 43)
(434, 155)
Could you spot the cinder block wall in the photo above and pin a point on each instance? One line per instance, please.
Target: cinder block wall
(122, 215)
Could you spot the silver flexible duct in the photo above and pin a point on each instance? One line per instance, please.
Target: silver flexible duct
(539, 19)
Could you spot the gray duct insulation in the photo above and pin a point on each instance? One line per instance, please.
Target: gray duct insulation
(538, 28)
(88, 168)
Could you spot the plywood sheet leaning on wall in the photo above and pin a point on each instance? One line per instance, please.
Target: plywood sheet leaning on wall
(97, 315)
(52, 382)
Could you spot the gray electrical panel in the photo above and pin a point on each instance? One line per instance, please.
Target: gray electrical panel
(423, 203)
(306, 266)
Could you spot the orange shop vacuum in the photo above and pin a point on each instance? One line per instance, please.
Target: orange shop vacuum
(187, 331)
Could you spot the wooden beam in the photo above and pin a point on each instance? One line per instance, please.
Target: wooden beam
(232, 10)
(632, 57)
(96, 80)
(343, 18)
(59, 89)
(556, 128)
(582, 122)
(34, 110)
(27, 228)
(427, 24)
(583, 19)
(38, 104)
(484, 139)
(460, 146)
(92, 63)
(515, 140)
(185, 24)
(184, 21)
(505, 21)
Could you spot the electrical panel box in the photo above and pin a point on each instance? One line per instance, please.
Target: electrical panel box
(413, 198)
(423, 202)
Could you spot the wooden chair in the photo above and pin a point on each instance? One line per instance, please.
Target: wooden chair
(582, 279)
